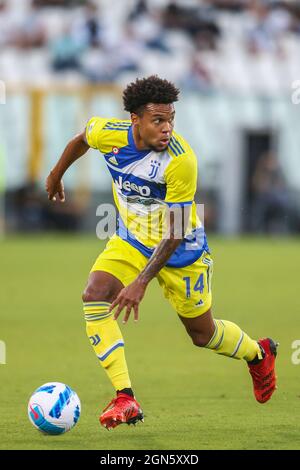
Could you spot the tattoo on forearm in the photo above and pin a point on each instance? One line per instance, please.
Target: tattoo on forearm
(167, 246)
(159, 258)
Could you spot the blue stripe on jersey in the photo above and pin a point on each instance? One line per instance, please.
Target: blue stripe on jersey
(126, 156)
(117, 123)
(176, 147)
(131, 185)
(120, 125)
(173, 149)
(115, 128)
(184, 255)
(181, 204)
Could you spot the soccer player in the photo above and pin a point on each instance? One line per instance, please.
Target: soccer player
(154, 170)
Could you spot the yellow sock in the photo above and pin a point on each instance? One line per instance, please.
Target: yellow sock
(229, 340)
(107, 341)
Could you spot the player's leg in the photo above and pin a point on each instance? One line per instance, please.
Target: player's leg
(104, 332)
(189, 292)
(112, 270)
(228, 339)
(222, 336)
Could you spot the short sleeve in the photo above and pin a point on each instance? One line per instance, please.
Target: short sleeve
(94, 130)
(181, 179)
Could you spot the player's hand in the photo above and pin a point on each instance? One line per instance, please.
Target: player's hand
(129, 297)
(55, 188)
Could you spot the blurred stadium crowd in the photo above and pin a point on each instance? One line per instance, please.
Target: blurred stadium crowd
(235, 62)
(201, 44)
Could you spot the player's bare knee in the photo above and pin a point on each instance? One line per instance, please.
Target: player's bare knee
(200, 339)
(91, 295)
(101, 286)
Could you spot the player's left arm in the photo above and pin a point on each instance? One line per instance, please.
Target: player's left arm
(181, 187)
(131, 296)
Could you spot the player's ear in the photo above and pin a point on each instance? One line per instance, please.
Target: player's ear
(134, 118)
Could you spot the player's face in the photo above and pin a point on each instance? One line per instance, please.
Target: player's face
(155, 126)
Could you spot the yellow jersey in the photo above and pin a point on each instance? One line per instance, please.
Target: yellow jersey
(146, 184)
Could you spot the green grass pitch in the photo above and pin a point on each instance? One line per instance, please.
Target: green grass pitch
(192, 398)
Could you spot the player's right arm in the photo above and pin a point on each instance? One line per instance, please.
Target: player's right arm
(75, 149)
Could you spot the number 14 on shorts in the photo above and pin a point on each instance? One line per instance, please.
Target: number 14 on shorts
(199, 285)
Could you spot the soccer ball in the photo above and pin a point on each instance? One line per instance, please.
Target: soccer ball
(54, 408)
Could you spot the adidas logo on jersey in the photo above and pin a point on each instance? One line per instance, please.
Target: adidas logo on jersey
(113, 160)
(128, 186)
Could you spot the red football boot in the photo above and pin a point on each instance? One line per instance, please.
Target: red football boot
(263, 373)
(122, 409)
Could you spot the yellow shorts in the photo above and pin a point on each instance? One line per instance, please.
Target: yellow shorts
(188, 289)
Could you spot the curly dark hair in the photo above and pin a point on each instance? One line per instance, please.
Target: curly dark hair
(148, 90)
